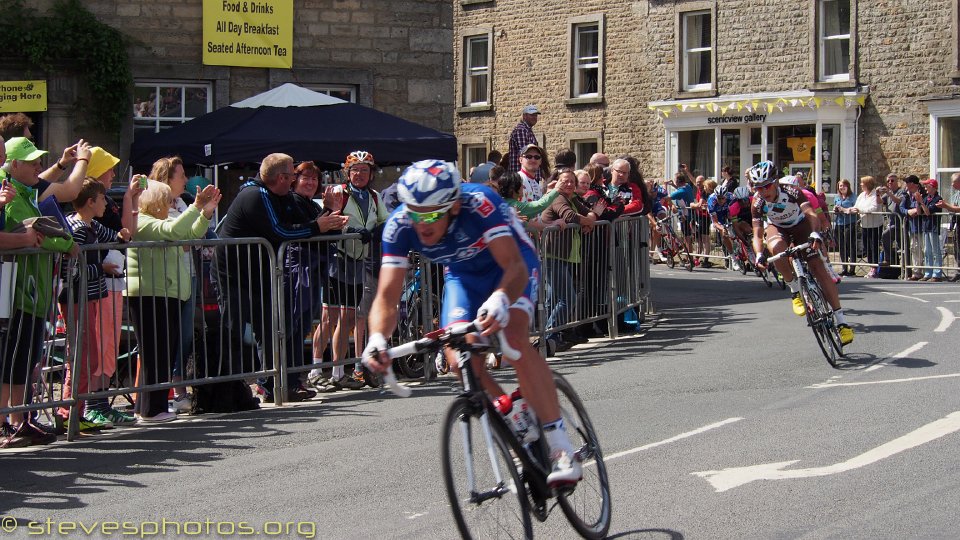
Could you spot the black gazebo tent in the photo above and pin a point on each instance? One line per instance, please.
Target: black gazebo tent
(296, 121)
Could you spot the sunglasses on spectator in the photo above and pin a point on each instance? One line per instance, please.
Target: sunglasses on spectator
(532, 156)
(427, 218)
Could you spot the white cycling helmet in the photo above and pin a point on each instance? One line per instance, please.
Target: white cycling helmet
(742, 192)
(430, 182)
(762, 174)
(789, 180)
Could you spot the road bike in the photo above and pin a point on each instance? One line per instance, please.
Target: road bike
(672, 245)
(411, 322)
(494, 480)
(820, 316)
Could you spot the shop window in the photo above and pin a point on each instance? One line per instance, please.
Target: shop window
(346, 93)
(585, 75)
(477, 74)
(830, 159)
(833, 45)
(159, 105)
(696, 151)
(696, 62)
(946, 152)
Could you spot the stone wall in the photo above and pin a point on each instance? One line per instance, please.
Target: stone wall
(397, 53)
(904, 56)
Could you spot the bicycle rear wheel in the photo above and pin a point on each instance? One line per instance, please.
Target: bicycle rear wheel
(587, 505)
(496, 505)
(819, 317)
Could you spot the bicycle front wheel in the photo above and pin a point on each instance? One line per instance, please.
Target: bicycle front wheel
(819, 317)
(587, 505)
(486, 493)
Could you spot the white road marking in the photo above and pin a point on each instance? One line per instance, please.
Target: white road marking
(697, 431)
(880, 363)
(888, 381)
(946, 321)
(415, 516)
(737, 476)
(950, 301)
(905, 296)
(938, 293)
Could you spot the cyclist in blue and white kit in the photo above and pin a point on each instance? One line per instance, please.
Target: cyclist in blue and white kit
(718, 205)
(491, 267)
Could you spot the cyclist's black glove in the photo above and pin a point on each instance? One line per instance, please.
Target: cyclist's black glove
(762, 259)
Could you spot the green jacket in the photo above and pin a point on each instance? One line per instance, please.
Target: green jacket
(157, 271)
(34, 285)
(533, 209)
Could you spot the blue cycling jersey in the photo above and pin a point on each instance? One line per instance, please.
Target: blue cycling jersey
(483, 217)
(720, 208)
(471, 271)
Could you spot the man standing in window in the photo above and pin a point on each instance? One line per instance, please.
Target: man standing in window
(522, 136)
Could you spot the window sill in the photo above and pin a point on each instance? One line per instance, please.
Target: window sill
(699, 94)
(474, 109)
(834, 85)
(475, 2)
(592, 100)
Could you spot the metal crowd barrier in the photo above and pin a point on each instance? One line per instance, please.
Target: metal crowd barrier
(141, 338)
(864, 250)
(247, 308)
(33, 341)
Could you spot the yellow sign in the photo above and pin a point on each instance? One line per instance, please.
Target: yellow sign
(23, 96)
(248, 33)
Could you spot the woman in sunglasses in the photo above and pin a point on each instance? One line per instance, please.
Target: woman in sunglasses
(491, 274)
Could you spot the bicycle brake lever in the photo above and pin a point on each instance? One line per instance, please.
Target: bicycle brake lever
(505, 348)
(390, 378)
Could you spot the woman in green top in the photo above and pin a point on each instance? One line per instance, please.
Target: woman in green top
(158, 284)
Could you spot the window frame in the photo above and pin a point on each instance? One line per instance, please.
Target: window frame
(467, 143)
(689, 50)
(328, 89)
(139, 122)
(581, 64)
(818, 81)
(469, 35)
(682, 90)
(577, 138)
(938, 111)
(574, 68)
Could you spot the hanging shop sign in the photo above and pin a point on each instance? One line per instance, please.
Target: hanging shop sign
(23, 96)
(248, 33)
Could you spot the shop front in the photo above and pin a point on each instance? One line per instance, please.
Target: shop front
(810, 132)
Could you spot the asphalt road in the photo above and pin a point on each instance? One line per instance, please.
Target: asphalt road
(720, 420)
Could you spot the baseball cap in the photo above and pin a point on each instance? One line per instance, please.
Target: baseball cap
(531, 109)
(101, 161)
(931, 182)
(22, 149)
(529, 147)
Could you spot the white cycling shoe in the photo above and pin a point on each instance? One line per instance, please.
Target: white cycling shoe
(566, 470)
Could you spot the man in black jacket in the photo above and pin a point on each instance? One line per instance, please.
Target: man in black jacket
(264, 208)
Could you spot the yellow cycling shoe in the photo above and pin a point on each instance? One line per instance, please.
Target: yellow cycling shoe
(798, 308)
(846, 334)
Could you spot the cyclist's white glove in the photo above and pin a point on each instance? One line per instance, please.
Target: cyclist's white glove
(376, 344)
(497, 307)
(815, 236)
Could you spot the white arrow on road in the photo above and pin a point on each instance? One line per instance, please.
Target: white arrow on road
(738, 476)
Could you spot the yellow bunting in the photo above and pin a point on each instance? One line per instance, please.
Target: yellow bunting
(769, 108)
(861, 100)
(839, 101)
(711, 107)
(817, 101)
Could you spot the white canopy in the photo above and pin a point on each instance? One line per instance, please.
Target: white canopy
(288, 95)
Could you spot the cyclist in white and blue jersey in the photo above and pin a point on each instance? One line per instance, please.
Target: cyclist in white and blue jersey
(491, 270)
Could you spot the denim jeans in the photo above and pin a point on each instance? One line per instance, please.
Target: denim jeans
(932, 254)
(561, 293)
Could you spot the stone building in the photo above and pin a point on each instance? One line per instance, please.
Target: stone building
(392, 55)
(839, 88)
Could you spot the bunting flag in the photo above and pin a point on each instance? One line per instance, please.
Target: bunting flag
(756, 105)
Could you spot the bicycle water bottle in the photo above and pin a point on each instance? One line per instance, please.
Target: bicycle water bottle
(524, 414)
